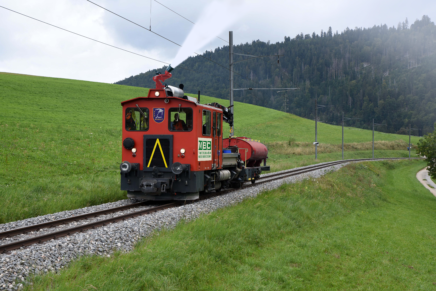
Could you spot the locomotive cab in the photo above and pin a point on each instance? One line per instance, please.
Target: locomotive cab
(172, 146)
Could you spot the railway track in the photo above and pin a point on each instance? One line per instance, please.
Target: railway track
(81, 228)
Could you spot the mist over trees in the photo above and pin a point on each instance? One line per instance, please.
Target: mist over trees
(382, 73)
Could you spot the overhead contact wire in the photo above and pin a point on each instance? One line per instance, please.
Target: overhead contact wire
(84, 36)
(135, 23)
(200, 55)
(184, 17)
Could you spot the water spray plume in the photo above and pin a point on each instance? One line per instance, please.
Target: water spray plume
(214, 20)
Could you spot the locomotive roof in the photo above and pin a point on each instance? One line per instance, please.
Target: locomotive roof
(170, 97)
(154, 98)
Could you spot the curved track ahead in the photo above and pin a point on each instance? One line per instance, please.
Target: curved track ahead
(68, 231)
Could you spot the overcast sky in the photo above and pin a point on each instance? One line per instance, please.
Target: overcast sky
(30, 47)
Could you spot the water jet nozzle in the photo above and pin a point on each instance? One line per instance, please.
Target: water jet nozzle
(169, 68)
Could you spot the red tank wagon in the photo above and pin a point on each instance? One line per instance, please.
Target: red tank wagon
(252, 152)
(173, 147)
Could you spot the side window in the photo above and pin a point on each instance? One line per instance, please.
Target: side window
(206, 122)
(218, 125)
(180, 119)
(136, 119)
(214, 124)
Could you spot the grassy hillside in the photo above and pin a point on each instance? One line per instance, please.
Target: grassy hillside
(366, 227)
(60, 142)
(270, 125)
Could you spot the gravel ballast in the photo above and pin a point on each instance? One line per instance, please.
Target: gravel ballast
(56, 254)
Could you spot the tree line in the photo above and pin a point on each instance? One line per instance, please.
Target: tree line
(386, 74)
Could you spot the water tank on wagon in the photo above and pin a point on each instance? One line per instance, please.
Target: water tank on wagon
(252, 152)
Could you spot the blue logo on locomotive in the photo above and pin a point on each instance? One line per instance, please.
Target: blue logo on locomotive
(158, 114)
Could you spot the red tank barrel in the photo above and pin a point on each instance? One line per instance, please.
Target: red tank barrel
(252, 152)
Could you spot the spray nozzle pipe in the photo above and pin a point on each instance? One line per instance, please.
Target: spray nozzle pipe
(160, 78)
(169, 68)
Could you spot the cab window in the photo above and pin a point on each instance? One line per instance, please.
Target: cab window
(206, 122)
(136, 120)
(218, 125)
(180, 119)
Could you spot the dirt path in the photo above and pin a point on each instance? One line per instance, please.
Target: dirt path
(425, 180)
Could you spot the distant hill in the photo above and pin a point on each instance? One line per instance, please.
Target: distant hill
(382, 73)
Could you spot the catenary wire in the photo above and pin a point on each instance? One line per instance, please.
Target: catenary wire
(200, 55)
(134, 23)
(167, 38)
(72, 32)
(185, 18)
(83, 35)
(167, 63)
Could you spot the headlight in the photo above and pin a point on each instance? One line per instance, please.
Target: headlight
(156, 93)
(125, 167)
(134, 150)
(182, 151)
(177, 168)
(129, 143)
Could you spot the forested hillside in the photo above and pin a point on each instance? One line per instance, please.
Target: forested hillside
(382, 73)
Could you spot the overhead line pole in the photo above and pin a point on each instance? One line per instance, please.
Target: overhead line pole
(231, 63)
(232, 130)
(316, 128)
(410, 145)
(342, 134)
(373, 138)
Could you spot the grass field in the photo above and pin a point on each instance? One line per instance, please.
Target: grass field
(368, 226)
(60, 142)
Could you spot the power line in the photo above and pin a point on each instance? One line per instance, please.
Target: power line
(185, 18)
(135, 23)
(84, 36)
(200, 55)
(175, 12)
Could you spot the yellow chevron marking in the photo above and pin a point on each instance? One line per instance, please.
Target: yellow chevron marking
(161, 151)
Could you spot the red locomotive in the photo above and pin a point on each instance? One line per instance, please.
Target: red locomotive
(173, 147)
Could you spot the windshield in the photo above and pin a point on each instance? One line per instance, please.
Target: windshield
(180, 119)
(135, 120)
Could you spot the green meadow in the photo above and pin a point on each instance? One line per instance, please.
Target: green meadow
(368, 226)
(60, 142)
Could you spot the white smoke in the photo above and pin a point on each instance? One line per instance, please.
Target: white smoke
(214, 20)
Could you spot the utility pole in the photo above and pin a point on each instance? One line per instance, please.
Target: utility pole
(373, 138)
(342, 134)
(232, 130)
(410, 145)
(286, 105)
(316, 128)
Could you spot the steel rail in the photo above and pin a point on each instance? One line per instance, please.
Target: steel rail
(65, 232)
(295, 173)
(300, 169)
(35, 227)
(327, 164)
